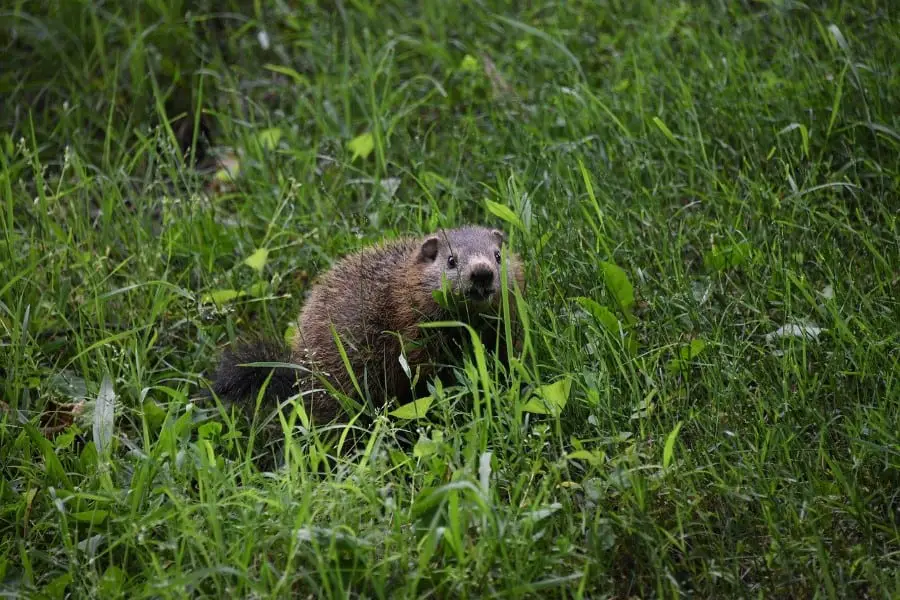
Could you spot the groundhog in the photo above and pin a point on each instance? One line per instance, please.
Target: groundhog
(375, 300)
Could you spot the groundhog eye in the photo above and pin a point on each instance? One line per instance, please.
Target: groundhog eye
(497, 255)
(451, 262)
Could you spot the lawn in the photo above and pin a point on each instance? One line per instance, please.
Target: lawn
(706, 198)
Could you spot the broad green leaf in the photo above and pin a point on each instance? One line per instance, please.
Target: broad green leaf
(426, 446)
(622, 436)
(594, 458)
(550, 399)
(670, 445)
(727, 257)
(220, 297)
(469, 64)
(94, 517)
(154, 414)
(70, 385)
(646, 406)
(269, 138)
(111, 583)
(362, 145)
(258, 259)
(536, 406)
(429, 499)
(289, 332)
(693, 349)
(580, 455)
(416, 409)
(65, 439)
(104, 413)
(599, 312)
(609, 322)
(505, 213)
(56, 589)
(258, 289)
(618, 283)
(88, 458)
(55, 471)
(685, 355)
(210, 431)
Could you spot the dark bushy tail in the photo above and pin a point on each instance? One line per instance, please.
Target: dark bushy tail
(238, 383)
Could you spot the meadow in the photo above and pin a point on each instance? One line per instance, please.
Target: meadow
(706, 198)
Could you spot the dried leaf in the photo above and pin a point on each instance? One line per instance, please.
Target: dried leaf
(499, 85)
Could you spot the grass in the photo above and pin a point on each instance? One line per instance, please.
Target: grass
(730, 431)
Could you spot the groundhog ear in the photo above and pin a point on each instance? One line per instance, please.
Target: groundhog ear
(501, 237)
(429, 250)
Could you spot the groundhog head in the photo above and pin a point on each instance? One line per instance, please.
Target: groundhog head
(466, 263)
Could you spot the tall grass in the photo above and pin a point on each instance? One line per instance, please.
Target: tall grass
(706, 198)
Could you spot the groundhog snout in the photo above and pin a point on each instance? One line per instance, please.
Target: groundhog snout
(481, 280)
(482, 277)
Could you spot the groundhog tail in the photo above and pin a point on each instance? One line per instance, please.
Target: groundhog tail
(235, 382)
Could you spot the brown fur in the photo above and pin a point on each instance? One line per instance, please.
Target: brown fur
(372, 295)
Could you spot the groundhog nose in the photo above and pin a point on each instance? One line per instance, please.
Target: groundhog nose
(482, 277)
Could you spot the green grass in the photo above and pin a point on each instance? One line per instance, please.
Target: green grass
(739, 161)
